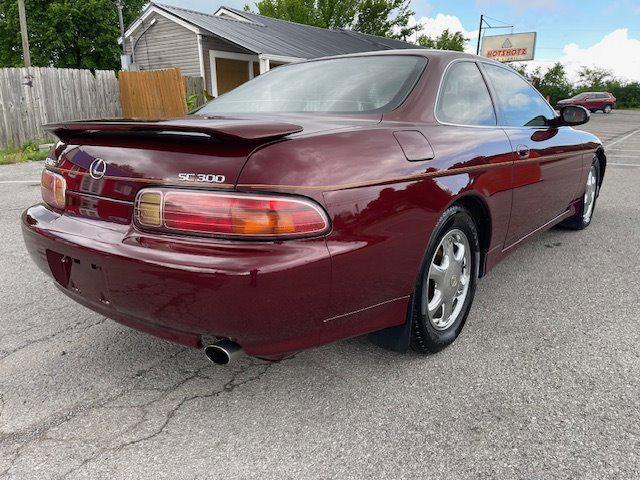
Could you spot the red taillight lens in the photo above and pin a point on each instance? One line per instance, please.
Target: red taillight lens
(229, 215)
(53, 187)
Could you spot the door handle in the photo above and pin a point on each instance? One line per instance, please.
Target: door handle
(522, 151)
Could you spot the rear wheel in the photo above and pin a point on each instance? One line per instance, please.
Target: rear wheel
(447, 283)
(582, 219)
(607, 109)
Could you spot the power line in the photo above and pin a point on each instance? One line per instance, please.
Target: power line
(488, 26)
(496, 20)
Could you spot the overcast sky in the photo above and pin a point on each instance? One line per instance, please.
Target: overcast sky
(603, 33)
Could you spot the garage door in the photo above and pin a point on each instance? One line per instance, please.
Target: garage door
(230, 73)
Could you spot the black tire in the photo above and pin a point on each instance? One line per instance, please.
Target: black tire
(425, 338)
(607, 108)
(578, 222)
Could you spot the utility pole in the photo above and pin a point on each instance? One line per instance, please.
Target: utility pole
(119, 2)
(125, 59)
(23, 31)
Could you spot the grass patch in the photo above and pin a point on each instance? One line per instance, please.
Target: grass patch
(29, 152)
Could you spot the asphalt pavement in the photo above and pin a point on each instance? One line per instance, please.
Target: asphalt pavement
(543, 383)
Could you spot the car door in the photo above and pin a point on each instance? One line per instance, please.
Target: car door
(592, 101)
(581, 100)
(547, 162)
(468, 136)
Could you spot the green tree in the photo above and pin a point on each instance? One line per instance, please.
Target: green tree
(65, 33)
(387, 18)
(320, 13)
(598, 79)
(594, 78)
(627, 94)
(521, 68)
(445, 41)
(554, 83)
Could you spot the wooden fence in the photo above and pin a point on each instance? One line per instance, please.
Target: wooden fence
(195, 92)
(153, 94)
(31, 97)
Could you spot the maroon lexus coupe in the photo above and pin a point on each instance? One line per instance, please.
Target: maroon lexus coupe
(322, 200)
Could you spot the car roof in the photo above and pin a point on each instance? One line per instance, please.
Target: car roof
(445, 55)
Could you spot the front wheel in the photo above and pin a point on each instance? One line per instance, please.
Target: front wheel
(607, 109)
(447, 282)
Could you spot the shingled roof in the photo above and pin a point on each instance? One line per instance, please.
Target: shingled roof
(270, 36)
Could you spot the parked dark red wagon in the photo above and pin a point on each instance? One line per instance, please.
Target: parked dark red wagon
(323, 200)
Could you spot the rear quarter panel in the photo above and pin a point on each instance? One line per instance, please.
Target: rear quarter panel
(383, 207)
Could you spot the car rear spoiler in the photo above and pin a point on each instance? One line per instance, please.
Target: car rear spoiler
(247, 130)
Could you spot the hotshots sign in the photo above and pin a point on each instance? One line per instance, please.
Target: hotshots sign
(517, 47)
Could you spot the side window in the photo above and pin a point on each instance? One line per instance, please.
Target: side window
(520, 104)
(464, 98)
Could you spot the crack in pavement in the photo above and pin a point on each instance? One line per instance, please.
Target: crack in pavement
(228, 387)
(68, 328)
(36, 433)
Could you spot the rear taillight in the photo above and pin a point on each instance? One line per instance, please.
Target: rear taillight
(53, 188)
(229, 215)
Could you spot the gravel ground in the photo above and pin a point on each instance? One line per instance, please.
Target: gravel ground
(544, 381)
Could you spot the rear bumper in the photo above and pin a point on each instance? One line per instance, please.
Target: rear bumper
(271, 298)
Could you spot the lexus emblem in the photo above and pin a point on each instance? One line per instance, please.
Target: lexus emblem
(98, 168)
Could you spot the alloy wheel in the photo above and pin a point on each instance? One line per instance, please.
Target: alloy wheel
(447, 285)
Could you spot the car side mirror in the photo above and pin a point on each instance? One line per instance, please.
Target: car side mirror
(572, 115)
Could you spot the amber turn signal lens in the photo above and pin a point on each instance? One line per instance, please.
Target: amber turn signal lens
(148, 207)
(229, 215)
(53, 187)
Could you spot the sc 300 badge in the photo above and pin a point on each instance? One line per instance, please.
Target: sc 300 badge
(201, 177)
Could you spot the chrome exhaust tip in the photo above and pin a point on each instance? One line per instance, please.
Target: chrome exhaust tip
(223, 351)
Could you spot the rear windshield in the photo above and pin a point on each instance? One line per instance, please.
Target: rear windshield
(341, 85)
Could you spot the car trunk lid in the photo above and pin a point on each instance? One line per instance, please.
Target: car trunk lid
(115, 159)
(108, 161)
